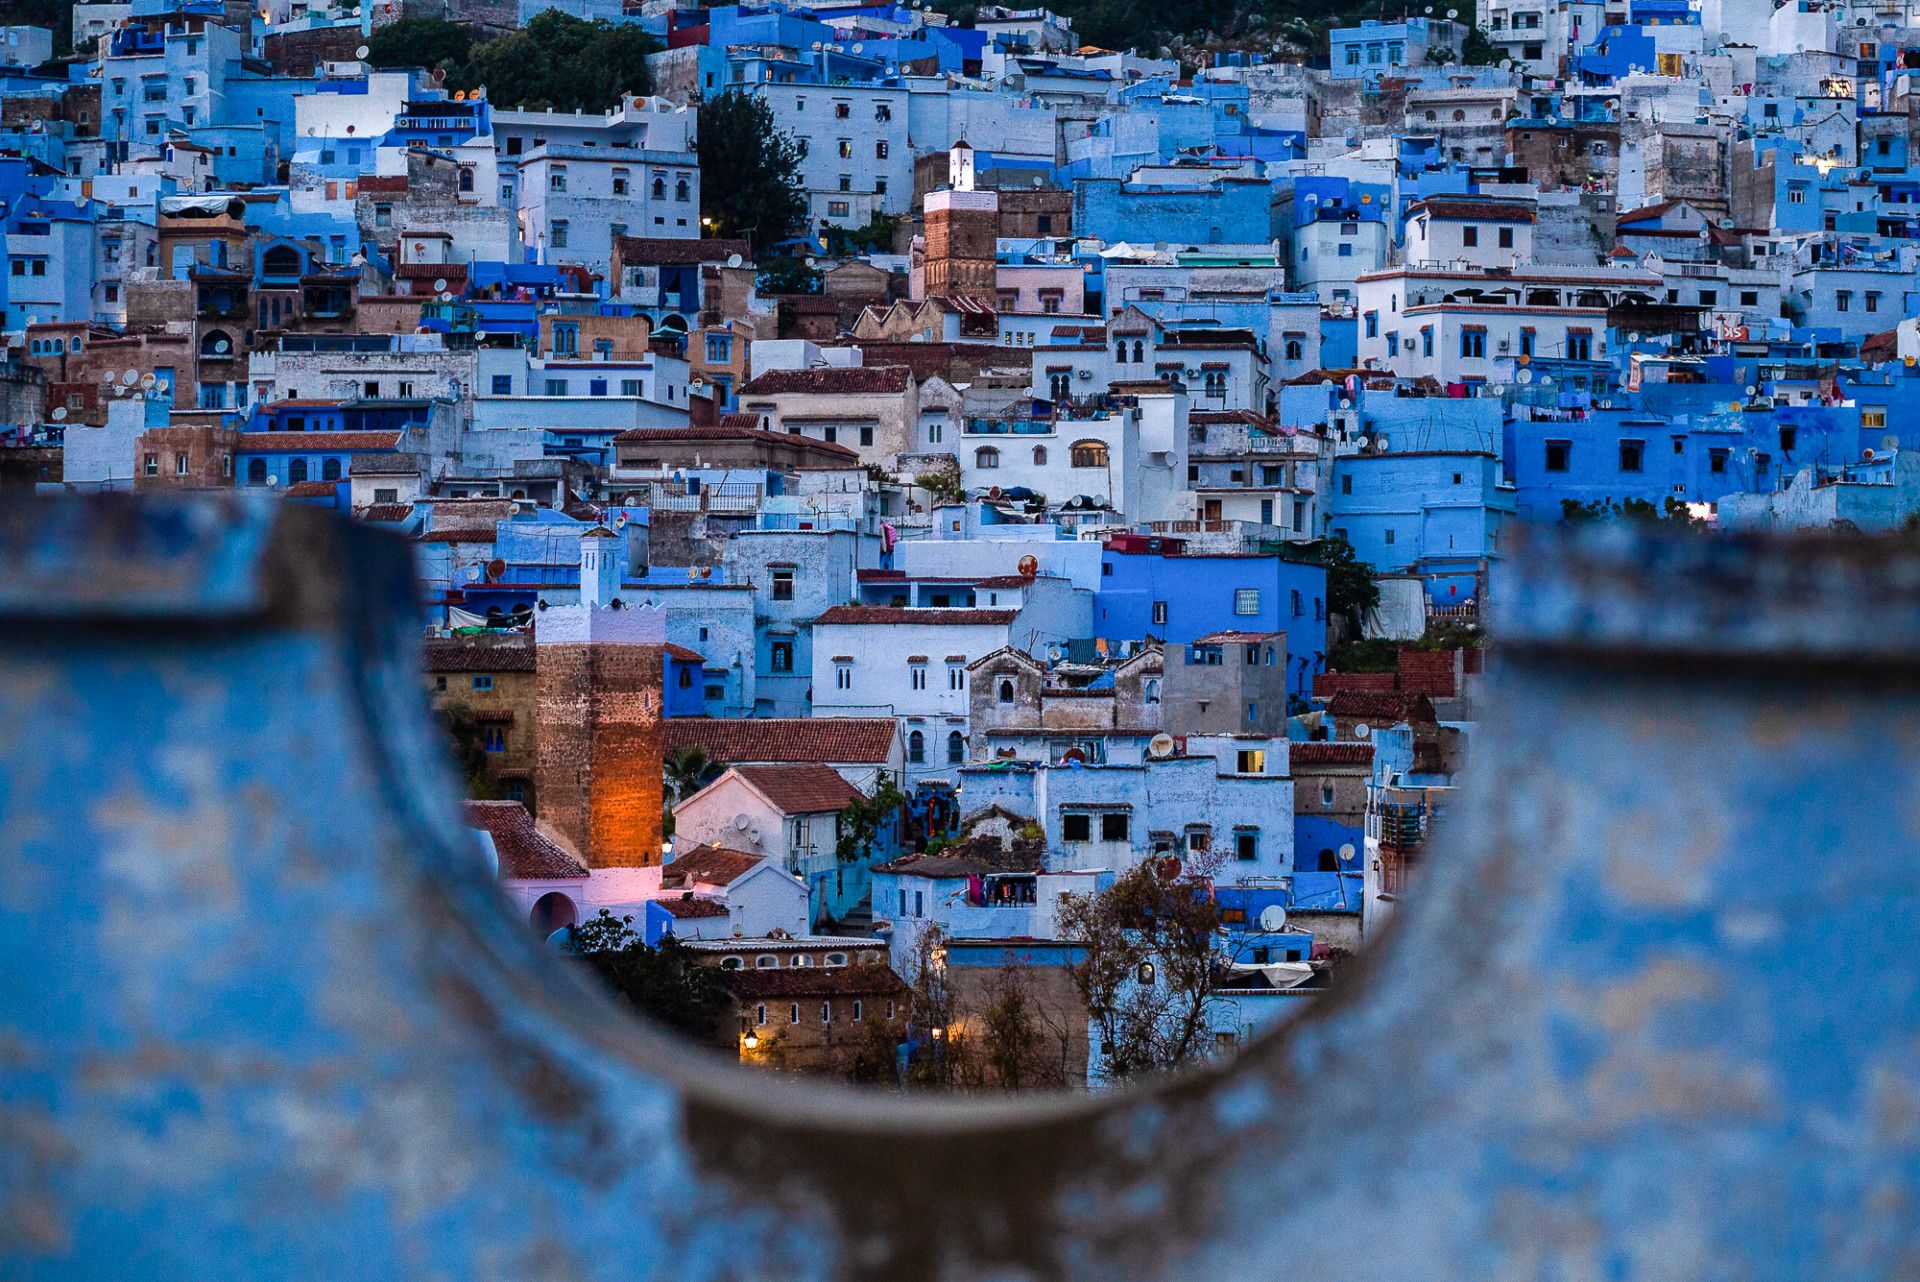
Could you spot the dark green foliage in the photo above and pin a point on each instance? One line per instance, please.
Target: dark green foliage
(1574, 512)
(421, 42)
(1374, 654)
(468, 743)
(56, 15)
(1351, 591)
(875, 238)
(749, 173)
(666, 983)
(863, 819)
(556, 61)
(786, 275)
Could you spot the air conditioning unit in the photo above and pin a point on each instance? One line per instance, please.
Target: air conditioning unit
(1504, 344)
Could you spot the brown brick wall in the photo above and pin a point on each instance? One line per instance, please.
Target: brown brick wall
(599, 749)
(206, 449)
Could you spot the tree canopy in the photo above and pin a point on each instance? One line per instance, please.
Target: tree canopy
(556, 62)
(749, 172)
(1351, 591)
(667, 983)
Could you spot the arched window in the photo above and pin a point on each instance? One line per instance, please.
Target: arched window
(280, 261)
(916, 747)
(256, 471)
(1006, 692)
(1432, 116)
(1120, 352)
(330, 470)
(1151, 691)
(1039, 456)
(681, 191)
(466, 178)
(659, 189)
(296, 471)
(1145, 973)
(766, 961)
(1295, 351)
(731, 963)
(956, 748)
(836, 959)
(1089, 454)
(1459, 114)
(986, 457)
(216, 342)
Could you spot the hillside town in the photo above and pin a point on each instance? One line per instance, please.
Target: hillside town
(952, 554)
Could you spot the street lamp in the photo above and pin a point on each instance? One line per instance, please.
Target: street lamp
(750, 1040)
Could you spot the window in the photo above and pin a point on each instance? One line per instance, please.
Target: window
(1506, 238)
(719, 349)
(956, 677)
(557, 179)
(1251, 761)
(826, 1012)
(1749, 298)
(782, 583)
(859, 1009)
(495, 738)
(843, 676)
(1632, 455)
(1843, 300)
(880, 150)
(917, 676)
(917, 747)
(1076, 828)
(1089, 454)
(297, 472)
(1559, 453)
(1246, 601)
(782, 656)
(559, 240)
(503, 385)
(1873, 300)
(1113, 827)
(1246, 844)
(793, 1012)
(842, 110)
(956, 748)
(1473, 343)
(556, 387)
(1426, 340)
(256, 471)
(986, 457)
(1789, 437)
(1470, 236)
(1159, 611)
(483, 681)
(153, 465)
(1717, 462)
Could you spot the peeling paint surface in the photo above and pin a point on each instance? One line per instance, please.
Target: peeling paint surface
(1653, 1012)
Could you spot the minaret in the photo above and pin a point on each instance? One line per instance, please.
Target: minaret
(600, 741)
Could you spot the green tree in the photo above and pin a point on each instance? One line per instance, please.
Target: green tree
(666, 983)
(421, 42)
(863, 819)
(1351, 591)
(749, 172)
(467, 739)
(561, 63)
(1149, 971)
(786, 274)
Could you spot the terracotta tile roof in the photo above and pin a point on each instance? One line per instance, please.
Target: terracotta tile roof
(708, 865)
(813, 981)
(1377, 704)
(814, 740)
(525, 852)
(901, 614)
(1236, 638)
(831, 381)
(800, 789)
(681, 652)
(721, 432)
(935, 866)
(385, 512)
(479, 655)
(1329, 754)
(692, 906)
(663, 251)
(312, 489)
(314, 442)
(1455, 207)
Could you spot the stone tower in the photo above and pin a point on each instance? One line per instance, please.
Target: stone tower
(963, 226)
(598, 671)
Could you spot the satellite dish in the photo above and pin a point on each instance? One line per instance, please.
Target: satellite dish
(1273, 918)
(1160, 746)
(220, 346)
(1751, 389)
(147, 380)
(362, 51)
(130, 377)
(734, 260)
(1363, 731)
(1523, 377)
(496, 570)
(1346, 853)
(60, 414)
(1168, 868)
(440, 285)
(1867, 455)
(1381, 443)
(1029, 566)
(742, 821)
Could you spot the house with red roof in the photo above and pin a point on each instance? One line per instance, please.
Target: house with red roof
(792, 816)
(714, 892)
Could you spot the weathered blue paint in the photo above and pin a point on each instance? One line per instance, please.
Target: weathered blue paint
(263, 1015)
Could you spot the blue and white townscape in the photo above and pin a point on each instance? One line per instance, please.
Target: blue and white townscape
(920, 513)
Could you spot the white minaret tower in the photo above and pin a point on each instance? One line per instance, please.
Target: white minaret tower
(600, 557)
(960, 166)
